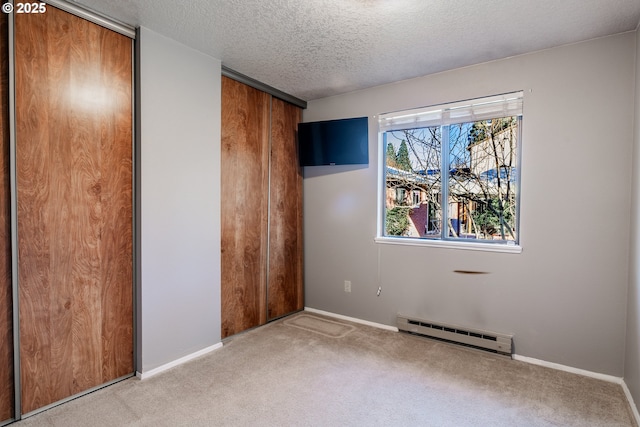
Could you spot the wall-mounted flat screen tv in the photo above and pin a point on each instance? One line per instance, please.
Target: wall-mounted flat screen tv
(334, 142)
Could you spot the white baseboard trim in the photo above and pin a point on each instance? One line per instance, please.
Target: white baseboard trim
(352, 319)
(185, 359)
(565, 368)
(634, 408)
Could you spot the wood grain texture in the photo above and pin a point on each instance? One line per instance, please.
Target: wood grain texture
(285, 288)
(6, 299)
(244, 189)
(74, 175)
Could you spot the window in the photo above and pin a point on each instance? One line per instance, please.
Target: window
(416, 196)
(401, 195)
(477, 144)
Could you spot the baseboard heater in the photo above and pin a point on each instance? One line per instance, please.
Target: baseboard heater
(475, 338)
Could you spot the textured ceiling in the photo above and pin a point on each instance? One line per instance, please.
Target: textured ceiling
(317, 48)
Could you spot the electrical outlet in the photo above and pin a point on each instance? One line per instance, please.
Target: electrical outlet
(347, 285)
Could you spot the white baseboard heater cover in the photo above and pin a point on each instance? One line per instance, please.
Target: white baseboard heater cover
(475, 338)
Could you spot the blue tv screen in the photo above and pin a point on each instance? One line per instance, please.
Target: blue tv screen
(334, 142)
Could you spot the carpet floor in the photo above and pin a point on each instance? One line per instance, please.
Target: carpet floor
(309, 370)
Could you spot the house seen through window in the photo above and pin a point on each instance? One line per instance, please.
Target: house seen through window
(451, 172)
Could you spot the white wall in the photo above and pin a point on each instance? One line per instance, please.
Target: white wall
(564, 296)
(632, 354)
(179, 295)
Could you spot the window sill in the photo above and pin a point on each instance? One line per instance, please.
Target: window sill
(450, 244)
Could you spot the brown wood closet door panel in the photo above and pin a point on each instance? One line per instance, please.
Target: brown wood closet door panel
(244, 205)
(116, 195)
(74, 178)
(6, 299)
(285, 288)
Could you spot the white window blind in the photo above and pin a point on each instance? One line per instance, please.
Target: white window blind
(509, 104)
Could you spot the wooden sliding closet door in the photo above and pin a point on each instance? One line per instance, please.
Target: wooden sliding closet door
(284, 290)
(74, 190)
(6, 299)
(261, 208)
(245, 192)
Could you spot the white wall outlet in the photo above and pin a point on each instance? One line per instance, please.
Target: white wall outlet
(347, 285)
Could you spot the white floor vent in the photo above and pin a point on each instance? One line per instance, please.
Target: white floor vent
(476, 338)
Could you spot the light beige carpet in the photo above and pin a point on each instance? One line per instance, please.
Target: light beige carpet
(307, 370)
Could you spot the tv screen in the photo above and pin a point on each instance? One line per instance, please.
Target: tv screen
(334, 142)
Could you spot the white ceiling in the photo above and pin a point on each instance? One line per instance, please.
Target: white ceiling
(316, 48)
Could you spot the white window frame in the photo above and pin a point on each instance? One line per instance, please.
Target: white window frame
(509, 104)
(414, 194)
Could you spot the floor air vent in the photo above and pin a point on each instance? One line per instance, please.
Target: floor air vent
(483, 340)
